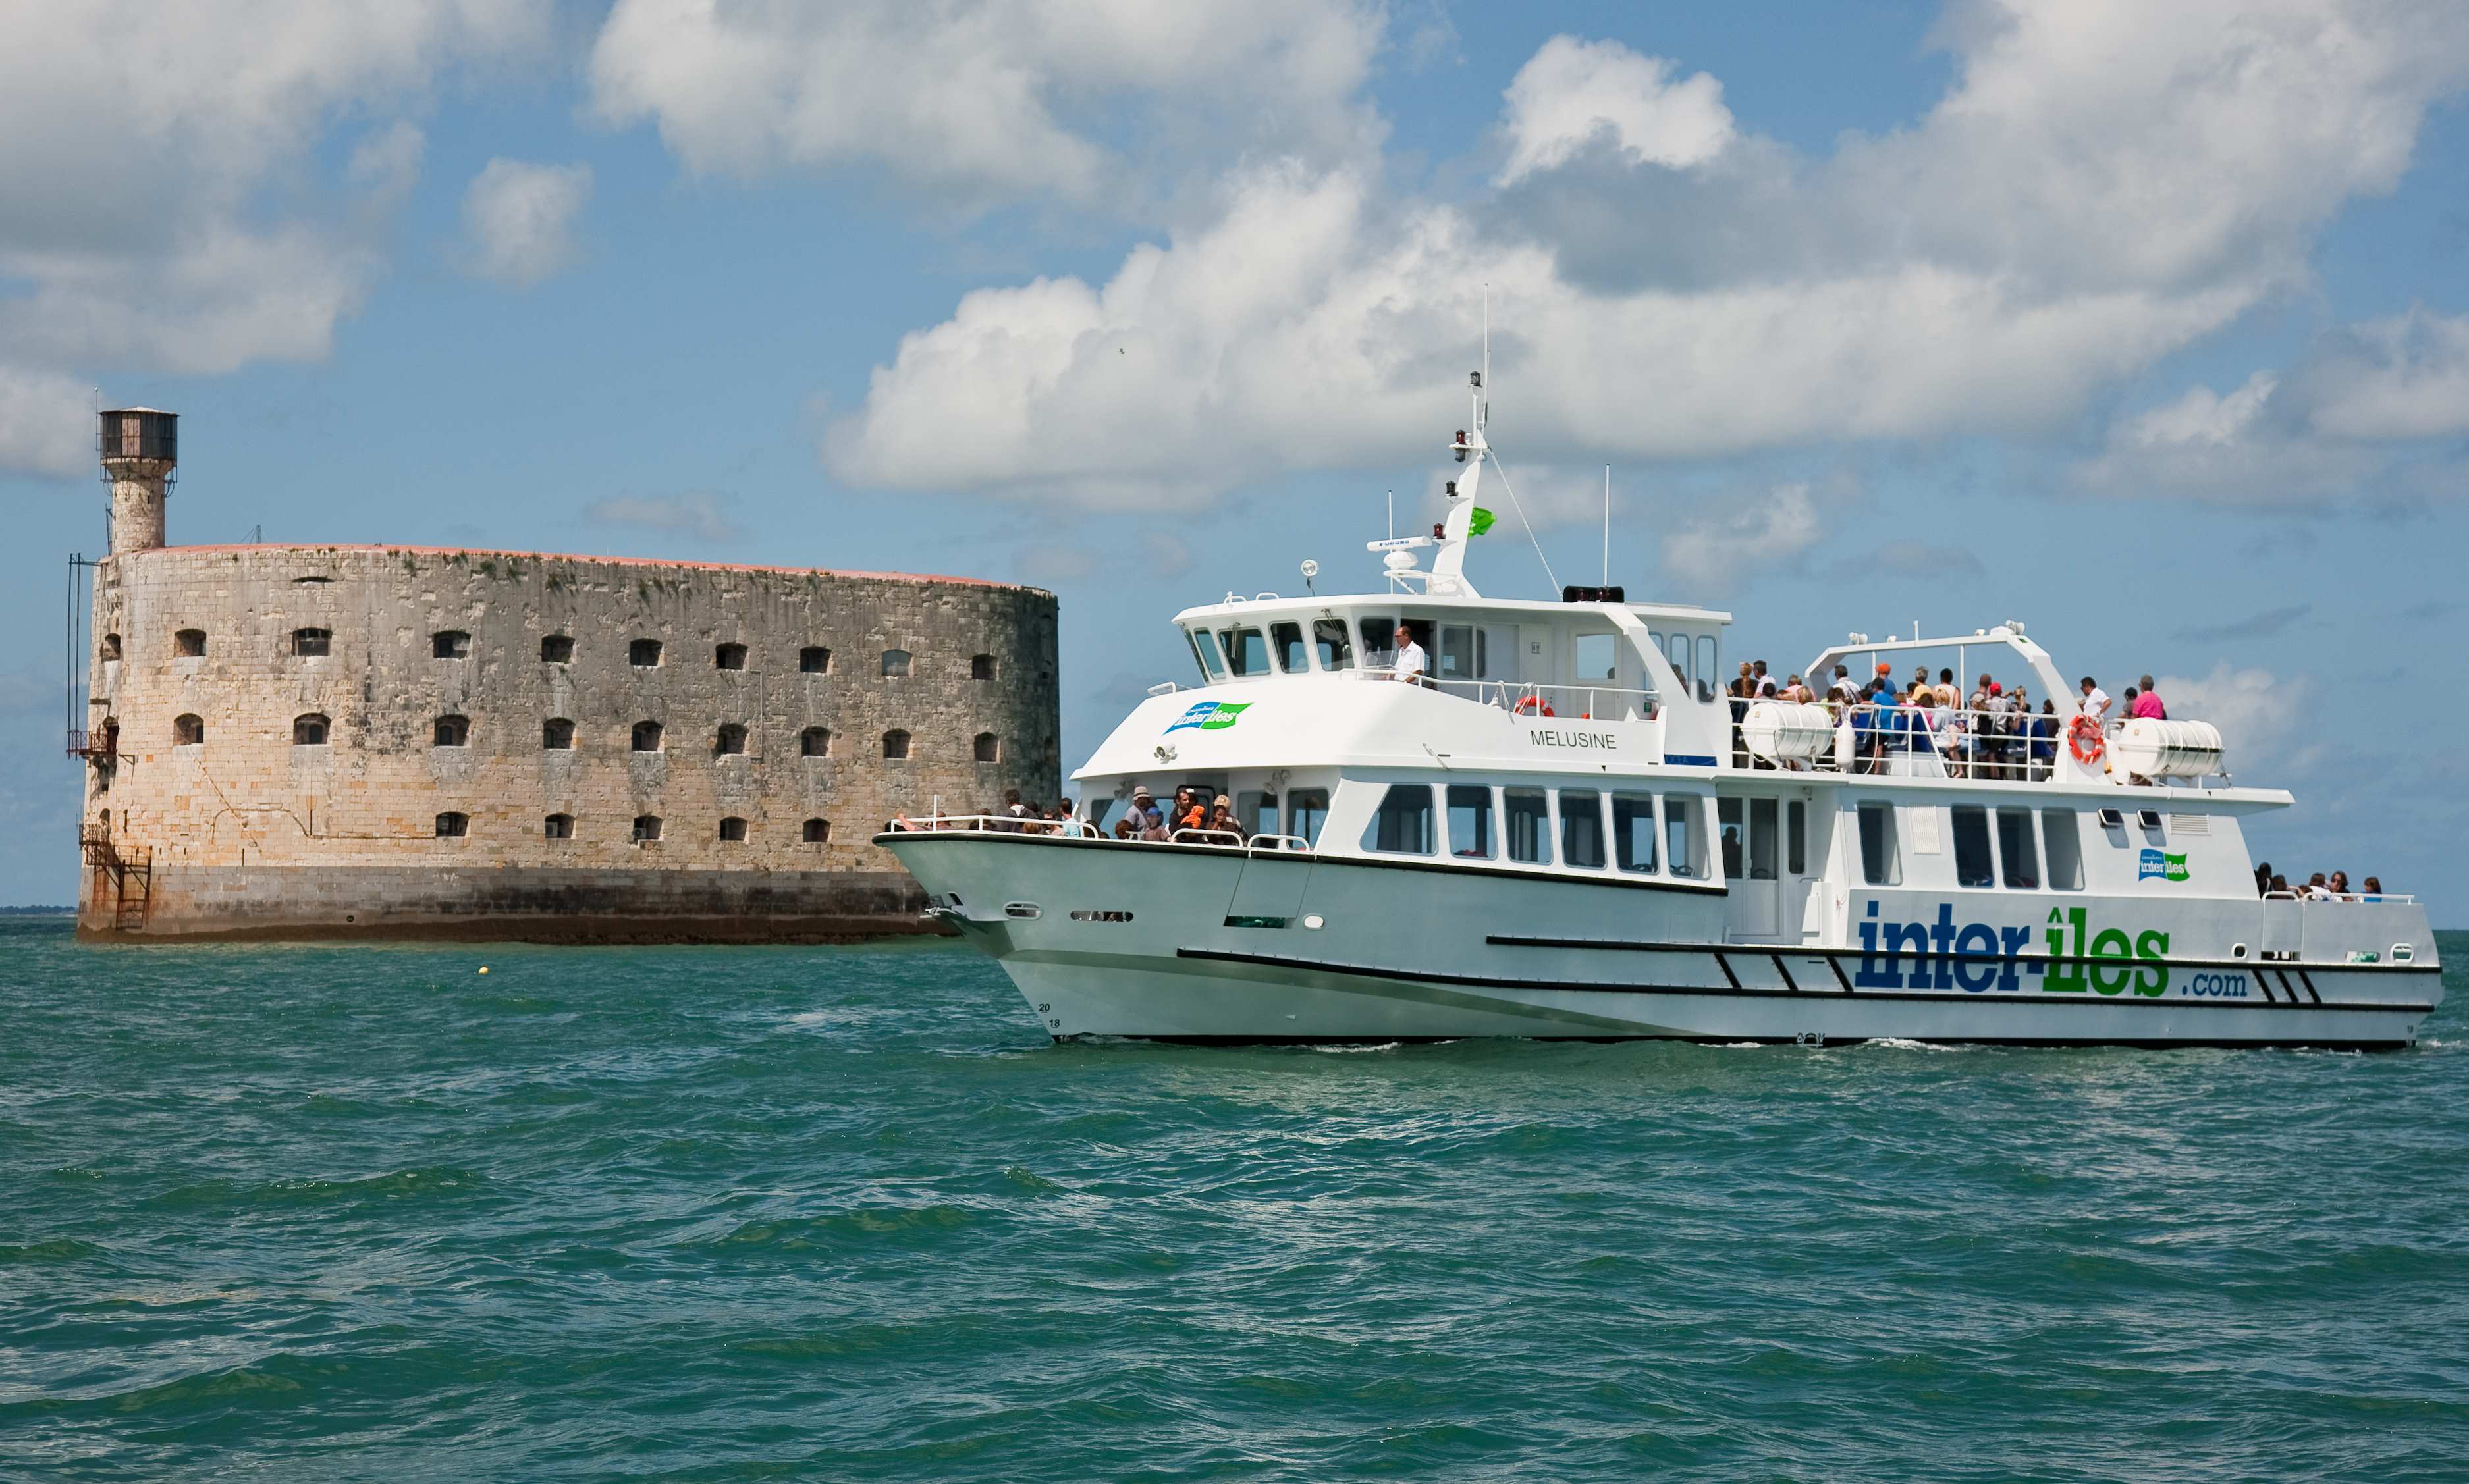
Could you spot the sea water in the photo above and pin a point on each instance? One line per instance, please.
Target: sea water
(368, 1213)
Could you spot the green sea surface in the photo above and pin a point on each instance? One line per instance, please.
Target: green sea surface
(363, 1212)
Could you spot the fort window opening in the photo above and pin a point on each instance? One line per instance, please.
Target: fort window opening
(731, 740)
(451, 826)
(313, 642)
(449, 644)
(981, 666)
(453, 732)
(814, 742)
(110, 647)
(987, 747)
(818, 831)
(557, 734)
(643, 654)
(188, 730)
(647, 828)
(813, 660)
(729, 657)
(895, 744)
(895, 662)
(558, 826)
(647, 736)
(557, 648)
(308, 731)
(732, 830)
(189, 644)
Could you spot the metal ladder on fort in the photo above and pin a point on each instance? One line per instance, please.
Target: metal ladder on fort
(132, 878)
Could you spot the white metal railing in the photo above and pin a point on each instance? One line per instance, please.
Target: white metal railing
(1528, 699)
(2295, 894)
(1915, 742)
(1086, 829)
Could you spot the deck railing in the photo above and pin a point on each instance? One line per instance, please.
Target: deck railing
(1526, 698)
(1085, 829)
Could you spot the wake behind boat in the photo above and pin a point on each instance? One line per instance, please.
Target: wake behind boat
(1460, 816)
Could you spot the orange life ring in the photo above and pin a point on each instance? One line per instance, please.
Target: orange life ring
(1534, 705)
(2083, 739)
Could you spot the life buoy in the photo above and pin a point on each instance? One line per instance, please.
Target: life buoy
(2083, 739)
(1534, 706)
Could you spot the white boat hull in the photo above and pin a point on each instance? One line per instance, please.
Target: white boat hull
(1422, 953)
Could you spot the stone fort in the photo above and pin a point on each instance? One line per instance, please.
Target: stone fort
(313, 741)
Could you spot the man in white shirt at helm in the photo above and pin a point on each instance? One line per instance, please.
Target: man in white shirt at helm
(1412, 665)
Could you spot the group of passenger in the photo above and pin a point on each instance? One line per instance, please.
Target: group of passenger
(2318, 887)
(1993, 732)
(1195, 815)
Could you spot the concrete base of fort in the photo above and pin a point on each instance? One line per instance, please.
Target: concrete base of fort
(513, 904)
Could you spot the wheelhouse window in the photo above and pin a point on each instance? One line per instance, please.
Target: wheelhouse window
(1581, 829)
(732, 831)
(647, 829)
(729, 742)
(986, 747)
(451, 826)
(1247, 653)
(2017, 859)
(557, 735)
(1880, 863)
(1204, 650)
(896, 663)
(311, 643)
(449, 644)
(1526, 819)
(895, 744)
(814, 742)
(1379, 637)
(189, 644)
(1328, 637)
(646, 736)
(1684, 844)
(2061, 838)
(1402, 823)
(1470, 822)
(981, 666)
(643, 654)
(1306, 811)
(1257, 812)
(1730, 837)
(188, 730)
(1633, 832)
(310, 731)
(558, 826)
(1287, 639)
(557, 649)
(813, 660)
(1973, 865)
(729, 657)
(451, 732)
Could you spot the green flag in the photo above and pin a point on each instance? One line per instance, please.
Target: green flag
(1479, 522)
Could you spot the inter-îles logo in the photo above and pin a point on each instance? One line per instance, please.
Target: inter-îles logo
(2167, 867)
(1212, 715)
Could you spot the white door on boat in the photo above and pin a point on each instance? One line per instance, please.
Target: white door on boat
(1748, 832)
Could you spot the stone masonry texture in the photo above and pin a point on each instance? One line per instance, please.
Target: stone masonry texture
(249, 832)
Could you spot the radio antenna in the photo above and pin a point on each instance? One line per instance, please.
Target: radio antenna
(1608, 525)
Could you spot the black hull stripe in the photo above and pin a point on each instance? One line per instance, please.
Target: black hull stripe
(1719, 992)
(2017, 1043)
(2255, 967)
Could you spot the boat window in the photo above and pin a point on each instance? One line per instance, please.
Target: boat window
(1581, 829)
(1377, 630)
(1456, 660)
(1633, 830)
(2061, 836)
(1288, 640)
(1306, 811)
(1526, 815)
(2017, 860)
(1247, 653)
(1707, 668)
(1257, 812)
(1402, 824)
(1678, 654)
(1683, 836)
(1596, 657)
(1204, 648)
(1879, 865)
(1795, 837)
(1470, 822)
(1728, 834)
(1972, 860)
(1762, 839)
(1329, 637)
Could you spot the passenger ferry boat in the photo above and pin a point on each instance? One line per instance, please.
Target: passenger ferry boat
(1565, 830)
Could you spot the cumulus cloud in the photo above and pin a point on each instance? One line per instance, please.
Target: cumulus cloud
(2403, 378)
(2100, 186)
(387, 165)
(1572, 92)
(518, 221)
(46, 423)
(1711, 555)
(980, 100)
(2263, 717)
(696, 514)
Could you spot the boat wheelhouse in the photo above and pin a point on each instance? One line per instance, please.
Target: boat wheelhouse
(1561, 824)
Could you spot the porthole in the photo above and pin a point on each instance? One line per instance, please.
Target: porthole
(2237, 950)
(1315, 921)
(1099, 915)
(1024, 912)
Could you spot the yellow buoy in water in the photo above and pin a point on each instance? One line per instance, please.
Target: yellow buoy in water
(484, 969)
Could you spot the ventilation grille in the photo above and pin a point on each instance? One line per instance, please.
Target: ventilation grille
(2190, 824)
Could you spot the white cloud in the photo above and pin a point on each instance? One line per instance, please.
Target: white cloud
(2101, 186)
(696, 514)
(2264, 718)
(2406, 376)
(46, 423)
(518, 221)
(1711, 555)
(1572, 92)
(387, 165)
(981, 100)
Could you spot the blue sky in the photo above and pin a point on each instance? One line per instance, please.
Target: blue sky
(2148, 328)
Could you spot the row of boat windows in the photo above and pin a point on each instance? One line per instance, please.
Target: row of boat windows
(1992, 848)
(646, 828)
(1593, 830)
(814, 660)
(1459, 652)
(315, 729)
